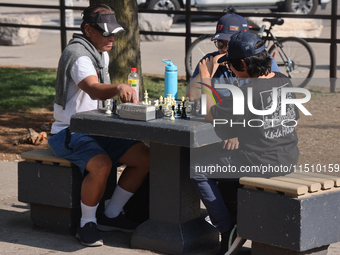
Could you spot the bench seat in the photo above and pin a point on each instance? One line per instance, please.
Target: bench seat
(51, 186)
(293, 214)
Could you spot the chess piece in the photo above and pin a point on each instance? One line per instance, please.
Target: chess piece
(194, 108)
(184, 113)
(172, 116)
(173, 101)
(188, 108)
(160, 100)
(146, 97)
(108, 106)
(114, 107)
(179, 110)
(187, 105)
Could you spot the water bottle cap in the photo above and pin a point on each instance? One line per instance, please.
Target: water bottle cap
(133, 69)
(170, 66)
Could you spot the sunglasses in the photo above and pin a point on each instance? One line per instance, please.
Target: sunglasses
(220, 44)
(102, 32)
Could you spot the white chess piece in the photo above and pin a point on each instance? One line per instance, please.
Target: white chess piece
(108, 107)
(173, 101)
(187, 105)
(172, 116)
(146, 97)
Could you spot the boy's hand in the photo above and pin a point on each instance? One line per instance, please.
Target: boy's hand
(206, 67)
(230, 144)
(215, 64)
(127, 94)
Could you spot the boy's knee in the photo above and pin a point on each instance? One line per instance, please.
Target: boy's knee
(100, 166)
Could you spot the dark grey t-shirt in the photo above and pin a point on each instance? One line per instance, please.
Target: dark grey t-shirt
(274, 140)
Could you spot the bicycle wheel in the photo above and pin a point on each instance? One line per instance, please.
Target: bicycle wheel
(295, 59)
(198, 49)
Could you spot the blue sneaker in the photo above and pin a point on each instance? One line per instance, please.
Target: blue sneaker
(88, 235)
(121, 223)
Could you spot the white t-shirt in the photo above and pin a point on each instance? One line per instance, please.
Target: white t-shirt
(77, 100)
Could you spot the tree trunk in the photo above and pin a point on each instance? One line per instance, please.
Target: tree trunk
(125, 52)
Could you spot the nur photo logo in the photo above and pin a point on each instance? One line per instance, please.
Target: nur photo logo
(282, 103)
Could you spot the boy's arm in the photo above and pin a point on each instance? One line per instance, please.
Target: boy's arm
(206, 67)
(193, 92)
(102, 91)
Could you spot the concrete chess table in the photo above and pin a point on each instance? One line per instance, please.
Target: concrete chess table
(175, 225)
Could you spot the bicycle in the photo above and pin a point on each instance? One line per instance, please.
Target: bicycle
(293, 55)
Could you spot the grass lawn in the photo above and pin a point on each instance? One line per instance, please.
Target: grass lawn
(23, 89)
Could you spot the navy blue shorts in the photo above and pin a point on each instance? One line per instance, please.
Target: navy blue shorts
(83, 147)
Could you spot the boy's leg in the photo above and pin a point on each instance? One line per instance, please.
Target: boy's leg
(94, 183)
(85, 152)
(137, 160)
(211, 197)
(92, 190)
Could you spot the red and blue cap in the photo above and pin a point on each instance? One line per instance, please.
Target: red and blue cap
(228, 25)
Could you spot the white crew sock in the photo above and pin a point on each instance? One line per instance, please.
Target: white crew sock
(117, 202)
(88, 214)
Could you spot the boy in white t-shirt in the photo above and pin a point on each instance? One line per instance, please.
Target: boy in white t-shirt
(83, 79)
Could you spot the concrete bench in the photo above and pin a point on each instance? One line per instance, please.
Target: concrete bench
(51, 186)
(295, 214)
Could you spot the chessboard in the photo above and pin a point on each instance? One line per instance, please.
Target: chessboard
(146, 110)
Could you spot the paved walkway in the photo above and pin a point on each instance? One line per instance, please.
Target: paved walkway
(18, 235)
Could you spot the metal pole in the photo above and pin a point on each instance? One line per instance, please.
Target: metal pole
(63, 35)
(333, 47)
(187, 32)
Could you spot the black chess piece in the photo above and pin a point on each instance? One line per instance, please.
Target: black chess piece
(184, 114)
(114, 107)
(179, 110)
(173, 108)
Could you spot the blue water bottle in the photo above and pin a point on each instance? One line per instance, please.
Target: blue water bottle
(170, 79)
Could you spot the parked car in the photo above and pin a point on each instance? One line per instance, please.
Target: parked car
(296, 6)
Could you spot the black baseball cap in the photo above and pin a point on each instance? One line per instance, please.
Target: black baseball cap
(242, 45)
(228, 25)
(107, 22)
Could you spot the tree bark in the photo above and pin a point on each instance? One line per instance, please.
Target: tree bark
(125, 52)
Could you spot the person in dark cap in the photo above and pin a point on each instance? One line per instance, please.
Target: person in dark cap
(83, 80)
(227, 25)
(270, 141)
